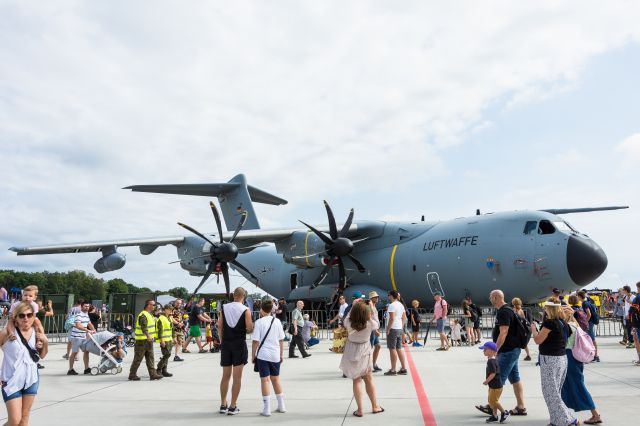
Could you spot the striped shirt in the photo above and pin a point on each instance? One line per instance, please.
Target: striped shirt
(83, 318)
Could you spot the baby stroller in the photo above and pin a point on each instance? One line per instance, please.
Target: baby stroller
(108, 346)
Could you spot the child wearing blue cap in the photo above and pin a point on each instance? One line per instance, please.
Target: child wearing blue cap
(495, 384)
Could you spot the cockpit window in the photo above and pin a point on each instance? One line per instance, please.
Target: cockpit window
(563, 226)
(545, 228)
(530, 227)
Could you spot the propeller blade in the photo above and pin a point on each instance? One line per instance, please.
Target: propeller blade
(243, 219)
(309, 255)
(342, 283)
(189, 260)
(359, 241)
(333, 231)
(323, 274)
(241, 266)
(216, 216)
(225, 275)
(320, 235)
(188, 228)
(361, 268)
(207, 274)
(345, 228)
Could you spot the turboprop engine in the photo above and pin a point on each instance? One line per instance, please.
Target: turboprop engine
(305, 250)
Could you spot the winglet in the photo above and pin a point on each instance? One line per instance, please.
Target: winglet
(584, 209)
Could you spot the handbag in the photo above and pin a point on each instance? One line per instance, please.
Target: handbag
(255, 358)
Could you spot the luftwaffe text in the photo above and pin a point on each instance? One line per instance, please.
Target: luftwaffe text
(470, 240)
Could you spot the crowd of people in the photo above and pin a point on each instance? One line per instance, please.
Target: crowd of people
(565, 336)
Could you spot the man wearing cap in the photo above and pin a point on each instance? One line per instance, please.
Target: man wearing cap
(375, 335)
(297, 322)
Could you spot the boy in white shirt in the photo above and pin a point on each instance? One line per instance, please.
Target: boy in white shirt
(268, 357)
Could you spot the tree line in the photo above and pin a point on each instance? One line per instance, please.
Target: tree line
(82, 285)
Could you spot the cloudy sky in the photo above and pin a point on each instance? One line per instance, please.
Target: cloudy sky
(397, 109)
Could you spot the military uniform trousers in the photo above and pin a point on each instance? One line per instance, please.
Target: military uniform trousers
(166, 354)
(142, 349)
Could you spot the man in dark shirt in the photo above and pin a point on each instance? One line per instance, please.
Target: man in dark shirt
(195, 316)
(476, 320)
(506, 340)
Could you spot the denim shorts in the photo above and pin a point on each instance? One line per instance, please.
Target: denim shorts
(592, 331)
(440, 325)
(268, 368)
(31, 390)
(508, 362)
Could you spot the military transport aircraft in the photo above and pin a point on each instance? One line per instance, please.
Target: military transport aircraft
(524, 253)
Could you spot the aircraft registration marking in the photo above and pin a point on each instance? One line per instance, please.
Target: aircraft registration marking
(391, 262)
(469, 240)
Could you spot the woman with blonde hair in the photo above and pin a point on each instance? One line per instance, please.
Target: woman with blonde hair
(357, 363)
(517, 308)
(552, 342)
(23, 347)
(574, 392)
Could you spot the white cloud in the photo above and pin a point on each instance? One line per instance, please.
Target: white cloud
(309, 99)
(630, 150)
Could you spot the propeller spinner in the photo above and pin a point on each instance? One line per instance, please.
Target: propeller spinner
(222, 252)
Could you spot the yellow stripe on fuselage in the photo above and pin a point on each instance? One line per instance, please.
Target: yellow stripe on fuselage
(393, 257)
(306, 249)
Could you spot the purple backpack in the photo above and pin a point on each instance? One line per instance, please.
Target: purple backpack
(583, 350)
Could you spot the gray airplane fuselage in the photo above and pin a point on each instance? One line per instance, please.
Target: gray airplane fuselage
(460, 257)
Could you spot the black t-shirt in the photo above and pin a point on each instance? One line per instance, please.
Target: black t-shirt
(493, 367)
(282, 316)
(193, 315)
(555, 343)
(94, 318)
(506, 316)
(413, 315)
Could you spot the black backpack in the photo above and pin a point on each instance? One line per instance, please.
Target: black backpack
(523, 330)
(634, 316)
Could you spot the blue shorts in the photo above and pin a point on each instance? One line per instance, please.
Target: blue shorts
(374, 339)
(508, 363)
(440, 325)
(268, 368)
(31, 390)
(592, 331)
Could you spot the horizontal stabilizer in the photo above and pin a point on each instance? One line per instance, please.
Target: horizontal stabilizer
(209, 190)
(584, 209)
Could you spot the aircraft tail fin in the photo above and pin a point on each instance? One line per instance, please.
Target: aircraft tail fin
(234, 196)
(584, 209)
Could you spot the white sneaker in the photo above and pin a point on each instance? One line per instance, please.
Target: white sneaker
(281, 410)
(265, 414)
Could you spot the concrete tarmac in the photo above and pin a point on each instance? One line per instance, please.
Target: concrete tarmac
(316, 393)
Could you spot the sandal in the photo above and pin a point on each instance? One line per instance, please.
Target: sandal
(593, 421)
(355, 413)
(378, 412)
(518, 411)
(485, 409)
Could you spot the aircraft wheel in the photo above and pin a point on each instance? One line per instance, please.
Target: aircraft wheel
(94, 371)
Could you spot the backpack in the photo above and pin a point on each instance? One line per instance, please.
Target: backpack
(523, 330)
(583, 350)
(634, 316)
(581, 317)
(595, 318)
(69, 322)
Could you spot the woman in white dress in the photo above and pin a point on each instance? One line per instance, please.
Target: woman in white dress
(22, 350)
(356, 361)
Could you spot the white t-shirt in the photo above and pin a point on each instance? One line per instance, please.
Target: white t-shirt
(398, 309)
(232, 312)
(342, 309)
(270, 350)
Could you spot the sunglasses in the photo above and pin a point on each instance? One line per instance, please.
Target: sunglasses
(23, 316)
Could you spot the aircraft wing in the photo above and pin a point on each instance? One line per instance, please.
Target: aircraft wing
(584, 209)
(147, 245)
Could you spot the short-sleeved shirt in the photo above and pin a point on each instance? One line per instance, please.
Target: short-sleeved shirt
(636, 300)
(587, 306)
(493, 367)
(306, 330)
(270, 350)
(196, 311)
(556, 342)
(505, 316)
(83, 319)
(343, 307)
(438, 309)
(413, 316)
(282, 316)
(296, 317)
(397, 308)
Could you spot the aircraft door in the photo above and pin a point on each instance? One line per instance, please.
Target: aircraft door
(433, 282)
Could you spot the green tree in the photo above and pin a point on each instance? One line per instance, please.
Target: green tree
(179, 292)
(116, 285)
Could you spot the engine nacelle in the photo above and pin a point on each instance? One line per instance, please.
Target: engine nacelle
(109, 263)
(301, 245)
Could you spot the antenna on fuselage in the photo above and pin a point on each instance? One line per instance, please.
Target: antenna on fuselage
(422, 219)
(477, 212)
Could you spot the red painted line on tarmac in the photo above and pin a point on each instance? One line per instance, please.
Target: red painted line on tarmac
(423, 401)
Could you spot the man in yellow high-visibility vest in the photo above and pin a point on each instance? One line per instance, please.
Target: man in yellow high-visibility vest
(165, 336)
(145, 334)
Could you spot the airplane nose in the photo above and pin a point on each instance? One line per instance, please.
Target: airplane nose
(585, 260)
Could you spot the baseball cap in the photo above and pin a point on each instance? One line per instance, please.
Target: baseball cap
(489, 345)
(555, 290)
(357, 295)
